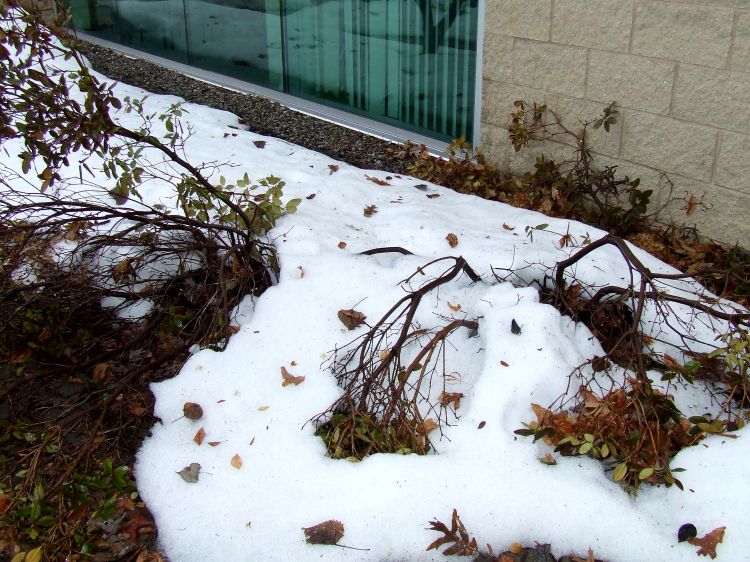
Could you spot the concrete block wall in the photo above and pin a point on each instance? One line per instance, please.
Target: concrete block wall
(680, 74)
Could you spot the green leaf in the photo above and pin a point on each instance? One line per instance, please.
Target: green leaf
(34, 555)
(585, 448)
(292, 204)
(620, 471)
(646, 473)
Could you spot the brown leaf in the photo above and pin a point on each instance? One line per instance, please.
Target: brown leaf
(370, 210)
(342, 245)
(454, 307)
(123, 270)
(333, 168)
(4, 503)
(428, 425)
(260, 144)
(433, 195)
(378, 181)
(301, 271)
(289, 378)
(236, 462)
(200, 436)
(190, 473)
(139, 521)
(327, 532)
(708, 542)
(351, 318)
(516, 548)
(100, 371)
(215, 443)
(548, 459)
(447, 398)
(481, 424)
(504, 363)
(508, 227)
(192, 411)
(452, 240)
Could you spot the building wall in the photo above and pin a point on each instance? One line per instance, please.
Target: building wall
(678, 70)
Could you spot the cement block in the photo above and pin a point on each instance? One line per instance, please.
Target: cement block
(741, 45)
(718, 98)
(683, 32)
(498, 56)
(631, 81)
(549, 67)
(669, 145)
(733, 170)
(604, 24)
(529, 19)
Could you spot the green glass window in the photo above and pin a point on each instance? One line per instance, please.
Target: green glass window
(408, 63)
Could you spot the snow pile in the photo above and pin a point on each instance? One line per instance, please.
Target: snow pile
(494, 479)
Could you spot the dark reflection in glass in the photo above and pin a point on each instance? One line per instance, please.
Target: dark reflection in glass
(410, 63)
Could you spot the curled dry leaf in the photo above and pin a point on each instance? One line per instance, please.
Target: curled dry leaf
(4, 503)
(342, 245)
(215, 443)
(327, 532)
(452, 240)
(100, 371)
(192, 411)
(333, 168)
(708, 542)
(190, 473)
(289, 378)
(378, 181)
(301, 271)
(428, 425)
(454, 307)
(200, 436)
(370, 210)
(448, 398)
(504, 363)
(351, 318)
(260, 143)
(433, 195)
(236, 462)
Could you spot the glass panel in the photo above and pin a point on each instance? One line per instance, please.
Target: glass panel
(409, 63)
(231, 37)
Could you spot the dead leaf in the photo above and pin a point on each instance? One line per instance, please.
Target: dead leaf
(370, 210)
(433, 195)
(506, 226)
(351, 318)
(548, 459)
(123, 270)
(149, 556)
(481, 424)
(215, 443)
(100, 372)
(192, 411)
(293, 363)
(260, 144)
(140, 521)
(384, 355)
(447, 398)
(327, 532)
(516, 548)
(708, 542)
(289, 378)
(236, 461)
(452, 240)
(4, 503)
(428, 425)
(342, 245)
(200, 436)
(504, 364)
(333, 168)
(378, 181)
(301, 271)
(190, 473)
(262, 408)
(311, 196)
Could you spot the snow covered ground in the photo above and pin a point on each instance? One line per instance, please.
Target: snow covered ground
(492, 477)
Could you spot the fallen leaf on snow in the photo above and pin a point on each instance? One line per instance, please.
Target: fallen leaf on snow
(328, 532)
(260, 144)
(351, 318)
(708, 542)
(200, 436)
(192, 411)
(289, 378)
(215, 443)
(504, 364)
(262, 408)
(236, 462)
(452, 240)
(342, 245)
(428, 425)
(301, 271)
(508, 227)
(333, 168)
(378, 181)
(190, 473)
(370, 210)
(454, 307)
(447, 398)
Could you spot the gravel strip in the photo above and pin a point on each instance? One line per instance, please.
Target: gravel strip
(261, 115)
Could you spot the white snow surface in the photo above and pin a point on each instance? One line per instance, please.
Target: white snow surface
(492, 477)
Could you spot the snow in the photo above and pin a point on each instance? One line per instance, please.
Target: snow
(492, 477)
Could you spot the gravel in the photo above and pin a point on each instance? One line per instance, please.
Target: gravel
(261, 114)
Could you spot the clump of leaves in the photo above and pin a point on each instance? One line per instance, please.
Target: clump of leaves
(635, 431)
(461, 544)
(354, 436)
